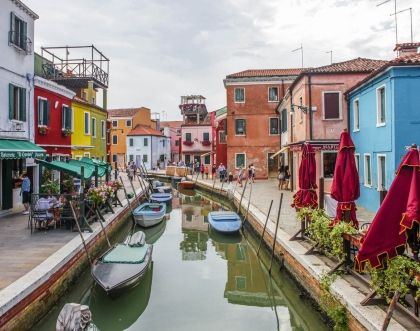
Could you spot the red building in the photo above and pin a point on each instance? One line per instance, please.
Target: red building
(53, 118)
(219, 136)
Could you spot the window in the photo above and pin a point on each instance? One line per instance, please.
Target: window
(87, 123)
(114, 157)
(103, 129)
(284, 120)
(273, 94)
(18, 32)
(43, 112)
(380, 106)
(177, 142)
(331, 105)
(128, 123)
(357, 161)
(145, 142)
(274, 125)
(17, 103)
(328, 164)
(87, 154)
(381, 172)
(188, 136)
(356, 115)
(368, 171)
(131, 158)
(222, 137)
(66, 118)
(114, 124)
(187, 159)
(240, 283)
(206, 136)
(114, 139)
(240, 127)
(240, 160)
(239, 94)
(163, 143)
(144, 158)
(207, 159)
(94, 127)
(131, 142)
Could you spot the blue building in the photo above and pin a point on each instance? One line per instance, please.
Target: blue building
(384, 119)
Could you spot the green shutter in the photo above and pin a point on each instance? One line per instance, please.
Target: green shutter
(22, 104)
(63, 117)
(47, 113)
(69, 118)
(11, 101)
(23, 35)
(39, 111)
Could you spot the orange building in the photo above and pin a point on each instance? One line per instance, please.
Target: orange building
(122, 121)
(253, 128)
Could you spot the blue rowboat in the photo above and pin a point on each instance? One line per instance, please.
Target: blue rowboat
(161, 197)
(149, 214)
(225, 221)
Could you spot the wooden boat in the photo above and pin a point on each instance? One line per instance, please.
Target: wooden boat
(124, 265)
(161, 197)
(186, 184)
(157, 183)
(162, 189)
(149, 214)
(225, 221)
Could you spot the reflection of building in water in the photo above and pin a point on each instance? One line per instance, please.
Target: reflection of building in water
(194, 218)
(247, 283)
(194, 245)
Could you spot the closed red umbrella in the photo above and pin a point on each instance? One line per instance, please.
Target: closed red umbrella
(399, 211)
(306, 196)
(345, 187)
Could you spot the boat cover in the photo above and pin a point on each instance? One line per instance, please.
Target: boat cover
(225, 217)
(126, 254)
(138, 239)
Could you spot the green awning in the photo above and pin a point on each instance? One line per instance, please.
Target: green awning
(20, 149)
(74, 170)
(103, 167)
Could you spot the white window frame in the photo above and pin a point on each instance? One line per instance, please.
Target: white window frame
(379, 171)
(93, 127)
(322, 163)
(356, 128)
(236, 166)
(39, 117)
(114, 121)
(278, 95)
(103, 129)
(238, 134)
(378, 108)
(234, 94)
(357, 161)
(112, 139)
(84, 123)
(131, 123)
(269, 126)
(364, 169)
(340, 106)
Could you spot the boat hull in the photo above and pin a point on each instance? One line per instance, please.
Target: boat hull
(162, 189)
(146, 217)
(161, 197)
(186, 185)
(225, 222)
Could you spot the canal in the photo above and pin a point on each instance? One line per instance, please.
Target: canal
(199, 280)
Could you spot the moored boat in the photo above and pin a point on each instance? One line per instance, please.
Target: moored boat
(175, 180)
(225, 221)
(124, 265)
(149, 214)
(186, 184)
(161, 197)
(162, 189)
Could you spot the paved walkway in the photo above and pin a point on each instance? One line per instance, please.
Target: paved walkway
(21, 251)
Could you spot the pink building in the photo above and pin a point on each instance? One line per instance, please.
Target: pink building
(174, 128)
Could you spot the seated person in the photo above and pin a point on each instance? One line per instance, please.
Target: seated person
(44, 204)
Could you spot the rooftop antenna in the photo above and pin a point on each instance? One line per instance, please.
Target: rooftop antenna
(301, 52)
(330, 55)
(395, 16)
(411, 19)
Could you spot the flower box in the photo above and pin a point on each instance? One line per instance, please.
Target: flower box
(42, 129)
(66, 132)
(188, 143)
(206, 143)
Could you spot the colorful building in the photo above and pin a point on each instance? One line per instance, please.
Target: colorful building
(384, 121)
(122, 121)
(174, 128)
(316, 112)
(253, 135)
(219, 136)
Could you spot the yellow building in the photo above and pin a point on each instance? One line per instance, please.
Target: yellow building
(122, 122)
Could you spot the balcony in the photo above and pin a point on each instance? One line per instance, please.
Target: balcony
(206, 143)
(20, 41)
(188, 143)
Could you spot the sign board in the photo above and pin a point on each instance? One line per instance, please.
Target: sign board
(21, 155)
(322, 147)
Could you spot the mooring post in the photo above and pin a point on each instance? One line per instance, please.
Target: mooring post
(242, 195)
(212, 189)
(128, 200)
(249, 203)
(143, 188)
(265, 226)
(275, 233)
(102, 226)
(80, 231)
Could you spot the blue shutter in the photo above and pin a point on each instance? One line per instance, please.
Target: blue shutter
(11, 101)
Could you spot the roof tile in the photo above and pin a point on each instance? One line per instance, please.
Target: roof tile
(144, 130)
(355, 65)
(266, 73)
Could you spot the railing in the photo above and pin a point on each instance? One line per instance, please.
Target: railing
(188, 143)
(206, 143)
(20, 41)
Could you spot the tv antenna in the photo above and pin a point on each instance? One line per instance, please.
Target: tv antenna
(395, 16)
(411, 19)
(301, 52)
(330, 52)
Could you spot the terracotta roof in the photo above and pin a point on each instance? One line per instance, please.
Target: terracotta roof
(170, 124)
(83, 101)
(124, 112)
(266, 73)
(406, 59)
(399, 47)
(356, 65)
(143, 130)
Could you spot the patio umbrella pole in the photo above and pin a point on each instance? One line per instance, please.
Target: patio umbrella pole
(265, 226)
(242, 195)
(128, 200)
(80, 231)
(275, 234)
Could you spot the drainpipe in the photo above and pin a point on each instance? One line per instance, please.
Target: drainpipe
(348, 113)
(310, 107)
(290, 156)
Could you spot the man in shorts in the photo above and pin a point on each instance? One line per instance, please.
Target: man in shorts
(25, 190)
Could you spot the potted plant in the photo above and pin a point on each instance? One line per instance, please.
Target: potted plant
(206, 142)
(188, 143)
(42, 129)
(66, 132)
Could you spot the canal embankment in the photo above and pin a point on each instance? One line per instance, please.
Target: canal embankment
(27, 299)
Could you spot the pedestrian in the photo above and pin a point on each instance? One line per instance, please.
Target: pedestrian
(249, 173)
(253, 170)
(222, 172)
(213, 171)
(202, 170)
(206, 172)
(130, 171)
(240, 176)
(286, 177)
(280, 177)
(230, 177)
(25, 191)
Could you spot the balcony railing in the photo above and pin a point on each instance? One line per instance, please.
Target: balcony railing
(206, 143)
(20, 41)
(188, 143)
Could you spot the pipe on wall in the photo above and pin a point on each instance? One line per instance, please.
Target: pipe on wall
(310, 106)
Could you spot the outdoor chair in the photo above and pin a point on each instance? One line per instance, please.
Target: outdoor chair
(40, 218)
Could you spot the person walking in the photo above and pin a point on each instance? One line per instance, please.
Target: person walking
(249, 174)
(241, 174)
(286, 177)
(25, 191)
(202, 170)
(253, 170)
(206, 172)
(280, 177)
(213, 171)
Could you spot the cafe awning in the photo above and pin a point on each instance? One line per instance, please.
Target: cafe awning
(103, 167)
(72, 169)
(20, 149)
(283, 149)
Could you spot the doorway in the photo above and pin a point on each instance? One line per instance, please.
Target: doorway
(273, 165)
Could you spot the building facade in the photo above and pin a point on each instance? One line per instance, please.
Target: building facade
(384, 121)
(174, 128)
(253, 135)
(219, 136)
(17, 148)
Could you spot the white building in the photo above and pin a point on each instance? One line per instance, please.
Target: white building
(16, 102)
(150, 146)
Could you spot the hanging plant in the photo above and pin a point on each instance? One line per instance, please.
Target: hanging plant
(42, 129)
(66, 132)
(336, 238)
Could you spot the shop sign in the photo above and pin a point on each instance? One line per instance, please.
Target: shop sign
(322, 147)
(21, 155)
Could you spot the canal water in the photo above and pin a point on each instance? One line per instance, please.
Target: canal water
(199, 280)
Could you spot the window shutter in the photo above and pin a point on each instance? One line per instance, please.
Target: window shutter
(11, 100)
(22, 105)
(332, 105)
(68, 118)
(63, 117)
(39, 111)
(47, 113)
(23, 35)
(12, 22)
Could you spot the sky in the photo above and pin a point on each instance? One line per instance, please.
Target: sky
(162, 49)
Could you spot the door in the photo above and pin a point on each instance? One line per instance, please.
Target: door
(273, 165)
(138, 161)
(7, 183)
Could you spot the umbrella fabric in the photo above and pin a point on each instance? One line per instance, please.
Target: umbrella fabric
(345, 187)
(306, 196)
(386, 236)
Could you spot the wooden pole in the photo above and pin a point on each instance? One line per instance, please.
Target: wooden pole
(102, 226)
(242, 195)
(80, 231)
(249, 203)
(390, 310)
(143, 188)
(212, 189)
(265, 226)
(275, 233)
(128, 200)
(134, 190)
(221, 187)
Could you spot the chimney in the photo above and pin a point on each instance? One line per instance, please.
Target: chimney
(406, 49)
